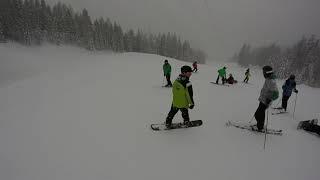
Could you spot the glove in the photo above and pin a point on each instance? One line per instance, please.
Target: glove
(191, 106)
(268, 101)
(296, 91)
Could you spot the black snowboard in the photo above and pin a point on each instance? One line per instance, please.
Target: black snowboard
(162, 127)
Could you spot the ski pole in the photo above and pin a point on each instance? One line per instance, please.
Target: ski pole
(295, 103)
(265, 131)
(163, 81)
(251, 119)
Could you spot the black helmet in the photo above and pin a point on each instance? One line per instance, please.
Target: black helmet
(292, 76)
(165, 61)
(267, 71)
(185, 69)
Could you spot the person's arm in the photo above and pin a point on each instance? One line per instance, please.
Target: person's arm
(190, 91)
(272, 92)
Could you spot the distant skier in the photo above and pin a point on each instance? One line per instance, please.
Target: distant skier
(247, 74)
(221, 73)
(231, 80)
(182, 96)
(288, 87)
(310, 125)
(167, 73)
(268, 93)
(195, 66)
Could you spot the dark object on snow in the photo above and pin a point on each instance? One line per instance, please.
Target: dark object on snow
(310, 125)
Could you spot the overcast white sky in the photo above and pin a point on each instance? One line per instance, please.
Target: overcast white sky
(218, 27)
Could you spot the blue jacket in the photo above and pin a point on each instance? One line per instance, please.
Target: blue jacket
(288, 86)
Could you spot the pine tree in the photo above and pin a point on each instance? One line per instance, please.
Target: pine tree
(2, 37)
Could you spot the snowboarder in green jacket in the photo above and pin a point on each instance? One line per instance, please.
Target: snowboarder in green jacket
(167, 73)
(182, 96)
(222, 73)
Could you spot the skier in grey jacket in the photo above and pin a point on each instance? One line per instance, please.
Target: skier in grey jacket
(268, 93)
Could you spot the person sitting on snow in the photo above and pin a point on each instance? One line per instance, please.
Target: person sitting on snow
(231, 80)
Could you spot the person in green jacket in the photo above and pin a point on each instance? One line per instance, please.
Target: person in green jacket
(182, 96)
(222, 74)
(167, 73)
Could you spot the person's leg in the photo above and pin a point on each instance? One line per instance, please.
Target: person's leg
(285, 102)
(168, 80)
(260, 115)
(185, 114)
(217, 81)
(246, 79)
(171, 114)
(223, 80)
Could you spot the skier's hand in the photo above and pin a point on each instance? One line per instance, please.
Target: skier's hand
(268, 101)
(296, 91)
(191, 106)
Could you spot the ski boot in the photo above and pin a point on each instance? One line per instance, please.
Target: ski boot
(186, 123)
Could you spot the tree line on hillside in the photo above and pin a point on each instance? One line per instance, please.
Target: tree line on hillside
(32, 22)
(301, 59)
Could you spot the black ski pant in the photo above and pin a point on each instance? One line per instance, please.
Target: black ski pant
(173, 112)
(260, 115)
(246, 79)
(285, 102)
(168, 80)
(195, 70)
(312, 128)
(223, 80)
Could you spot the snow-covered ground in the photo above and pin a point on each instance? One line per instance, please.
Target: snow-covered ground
(68, 114)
